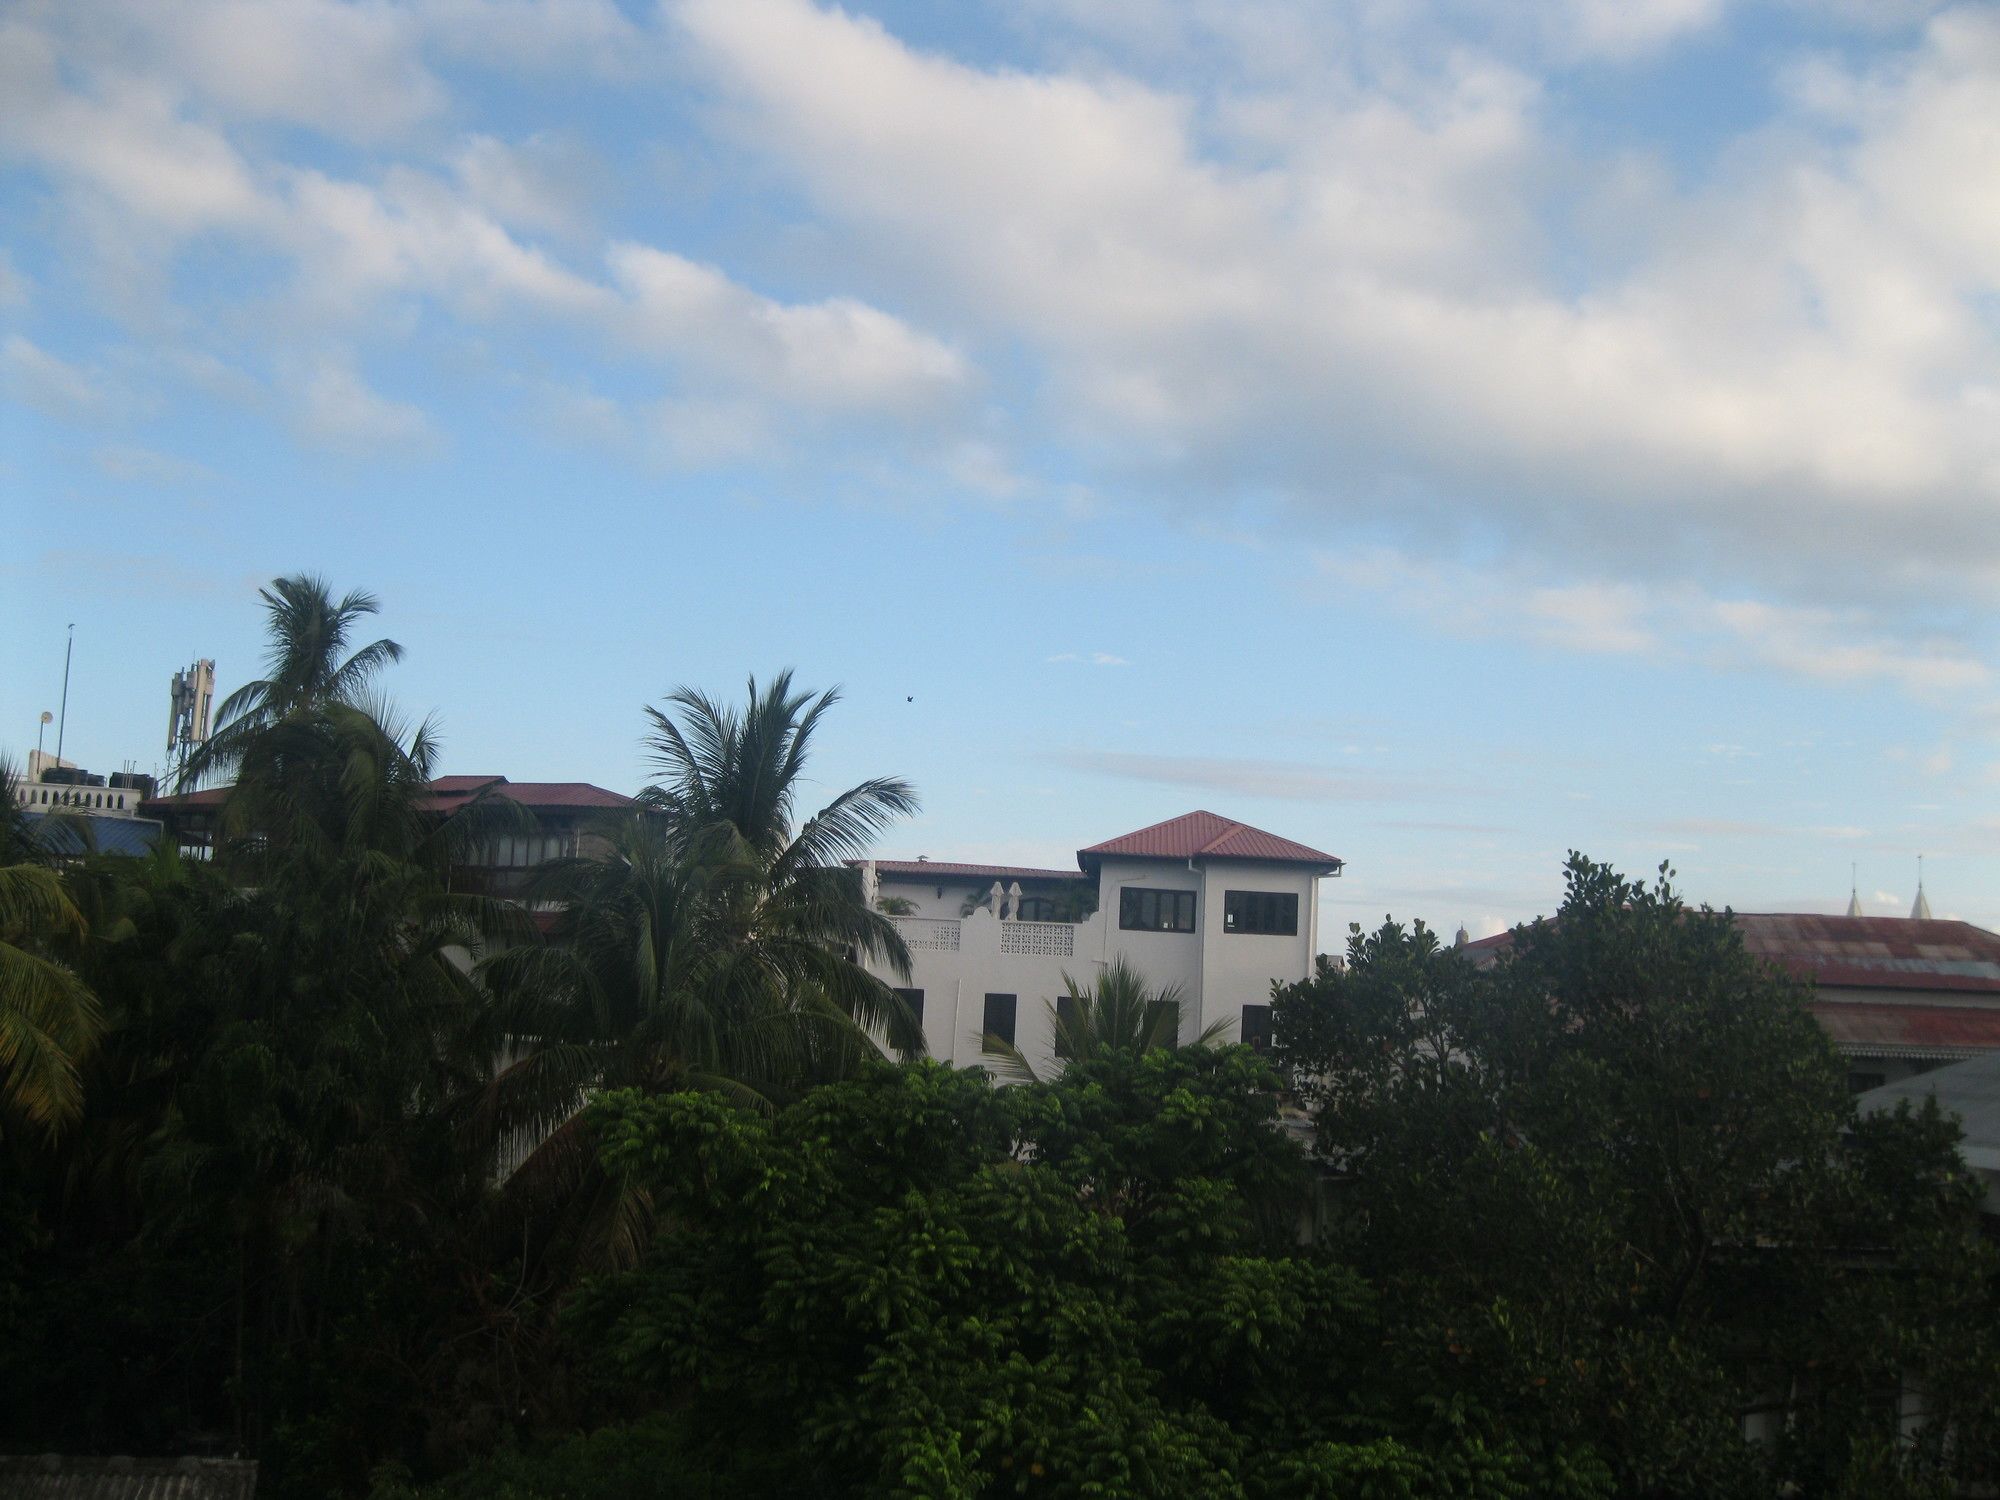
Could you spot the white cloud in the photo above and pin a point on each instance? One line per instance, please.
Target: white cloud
(1091, 658)
(836, 353)
(33, 376)
(1347, 292)
(337, 409)
(545, 184)
(1848, 645)
(1627, 28)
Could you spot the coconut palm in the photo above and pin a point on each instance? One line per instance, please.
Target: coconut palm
(306, 661)
(707, 942)
(1117, 1014)
(48, 1017)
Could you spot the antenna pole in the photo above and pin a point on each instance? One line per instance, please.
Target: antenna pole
(62, 724)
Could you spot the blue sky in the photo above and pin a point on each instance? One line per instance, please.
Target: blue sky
(1445, 433)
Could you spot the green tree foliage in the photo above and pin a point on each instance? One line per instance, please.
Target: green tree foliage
(1615, 1186)
(913, 1283)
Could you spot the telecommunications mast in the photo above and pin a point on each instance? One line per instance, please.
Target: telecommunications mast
(187, 725)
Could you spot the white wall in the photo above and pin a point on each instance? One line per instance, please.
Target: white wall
(956, 963)
(1237, 968)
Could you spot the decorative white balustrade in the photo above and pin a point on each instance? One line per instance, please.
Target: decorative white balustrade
(935, 933)
(1048, 939)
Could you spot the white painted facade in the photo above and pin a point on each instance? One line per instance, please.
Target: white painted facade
(958, 961)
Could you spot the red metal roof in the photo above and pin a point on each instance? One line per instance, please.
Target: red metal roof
(1890, 1030)
(445, 792)
(1889, 953)
(953, 870)
(1206, 835)
(449, 791)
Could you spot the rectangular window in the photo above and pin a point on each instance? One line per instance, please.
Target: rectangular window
(1163, 1023)
(1265, 912)
(1141, 909)
(915, 1000)
(999, 1019)
(1256, 1030)
(1066, 1020)
(1036, 909)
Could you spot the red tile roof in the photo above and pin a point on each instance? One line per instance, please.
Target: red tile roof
(1206, 835)
(953, 870)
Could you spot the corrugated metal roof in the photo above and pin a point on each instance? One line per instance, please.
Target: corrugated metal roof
(945, 869)
(1869, 953)
(1206, 835)
(1864, 1029)
(59, 834)
(49, 1477)
(1900, 953)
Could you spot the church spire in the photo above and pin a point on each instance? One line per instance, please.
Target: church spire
(1921, 912)
(1854, 896)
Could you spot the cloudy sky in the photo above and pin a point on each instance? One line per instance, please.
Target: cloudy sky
(1448, 433)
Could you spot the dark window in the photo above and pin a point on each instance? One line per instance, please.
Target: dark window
(1260, 911)
(1037, 909)
(1257, 1027)
(1000, 1018)
(1163, 1022)
(1066, 1019)
(915, 1000)
(1144, 910)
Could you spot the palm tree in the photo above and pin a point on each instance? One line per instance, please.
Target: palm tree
(1118, 1014)
(307, 664)
(728, 797)
(49, 1019)
(708, 943)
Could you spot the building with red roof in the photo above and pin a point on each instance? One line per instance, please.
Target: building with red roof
(559, 817)
(1202, 905)
(1898, 996)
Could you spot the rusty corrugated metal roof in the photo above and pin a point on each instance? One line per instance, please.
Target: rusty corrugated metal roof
(1868, 1029)
(50, 1477)
(1868, 953)
(1894, 953)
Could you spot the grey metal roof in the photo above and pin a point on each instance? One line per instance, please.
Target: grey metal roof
(48, 1476)
(59, 833)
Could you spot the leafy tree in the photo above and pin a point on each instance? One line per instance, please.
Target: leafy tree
(1610, 1184)
(913, 1283)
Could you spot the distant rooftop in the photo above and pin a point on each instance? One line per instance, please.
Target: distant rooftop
(947, 869)
(1869, 953)
(445, 794)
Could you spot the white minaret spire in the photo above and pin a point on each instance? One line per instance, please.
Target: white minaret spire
(1921, 912)
(1854, 896)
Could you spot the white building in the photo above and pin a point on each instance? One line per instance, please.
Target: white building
(1217, 908)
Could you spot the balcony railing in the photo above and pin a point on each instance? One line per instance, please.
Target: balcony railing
(933, 933)
(1046, 939)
